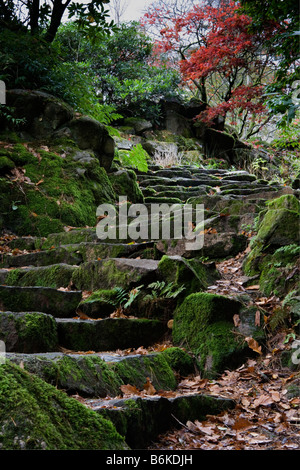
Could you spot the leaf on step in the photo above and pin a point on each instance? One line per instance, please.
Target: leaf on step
(129, 390)
(253, 345)
(141, 350)
(254, 287)
(148, 387)
(236, 320)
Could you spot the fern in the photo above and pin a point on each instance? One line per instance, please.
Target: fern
(136, 158)
(162, 290)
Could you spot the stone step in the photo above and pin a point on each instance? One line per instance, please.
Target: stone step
(102, 374)
(109, 334)
(28, 332)
(130, 273)
(142, 419)
(54, 275)
(74, 254)
(109, 273)
(40, 299)
(42, 258)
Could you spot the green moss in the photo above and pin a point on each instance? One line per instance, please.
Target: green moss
(125, 183)
(203, 324)
(155, 366)
(37, 331)
(193, 274)
(179, 360)
(6, 164)
(35, 415)
(287, 201)
(278, 272)
(57, 275)
(59, 191)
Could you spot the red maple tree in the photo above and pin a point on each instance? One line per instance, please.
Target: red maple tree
(220, 59)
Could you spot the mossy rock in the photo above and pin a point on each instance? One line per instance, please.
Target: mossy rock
(124, 183)
(36, 416)
(193, 274)
(279, 272)
(57, 275)
(55, 302)
(101, 303)
(80, 235)
(109, 334)
(114, 272)
(203, 323)
(274, 253)
(101, 375)
(56, 192)
(6, 164)
(28, 332)
(179, 360)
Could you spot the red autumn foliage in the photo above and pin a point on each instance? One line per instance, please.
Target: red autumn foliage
(217, 55)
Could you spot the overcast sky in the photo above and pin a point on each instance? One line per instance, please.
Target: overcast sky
(134, 9)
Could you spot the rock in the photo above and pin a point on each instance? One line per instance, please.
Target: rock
(139, 125)
(108, 334)
(90, 134)
(216, 246)
(41, 299)
(192, 274)
(204, 324)
(124, 183)
(28, 332)
(6, 164)
(42, 258)
(219, 144)
(43, 112)
(278, 227)
(130, 414)
(101, 374)
(36, 416)
(114, 272)
(75, 236)
(56, 275)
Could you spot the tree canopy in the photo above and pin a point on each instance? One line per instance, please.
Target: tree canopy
(45, 17)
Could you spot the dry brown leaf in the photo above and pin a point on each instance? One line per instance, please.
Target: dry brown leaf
(253, 345)
(129, 390)
(148, 387)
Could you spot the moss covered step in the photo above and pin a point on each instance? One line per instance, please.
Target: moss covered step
(75, 236)
(108, 334)
(28, 332)
(102, 374)
(216, 246)
(55, 276)
(41, 299)
(141, 419)
(109, 273)
(35, 415)
(42, 258)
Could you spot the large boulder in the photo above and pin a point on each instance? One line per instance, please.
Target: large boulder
(91, 134)
(219, 144)
(274, 254)
(43, 112)
(204, 323)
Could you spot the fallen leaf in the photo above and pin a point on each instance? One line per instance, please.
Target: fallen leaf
(253, 345)
(129, 390)
(148, 387)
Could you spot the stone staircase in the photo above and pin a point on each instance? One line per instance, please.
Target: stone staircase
(44, 289)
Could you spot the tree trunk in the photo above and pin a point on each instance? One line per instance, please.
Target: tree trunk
(57, 13)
